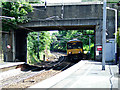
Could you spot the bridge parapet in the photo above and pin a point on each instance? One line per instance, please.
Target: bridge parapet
(67, 11)
(69, 3)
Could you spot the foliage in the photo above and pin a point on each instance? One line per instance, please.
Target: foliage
(118, 38)
(62, 37)
(35, 46)
(35, 1)
(56, 42)
(18, 12)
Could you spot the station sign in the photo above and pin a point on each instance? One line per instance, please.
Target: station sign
(8, 46)
(99, 48)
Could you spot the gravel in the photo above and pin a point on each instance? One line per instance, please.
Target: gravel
(18, 79)
(10, 73)
(33, 80)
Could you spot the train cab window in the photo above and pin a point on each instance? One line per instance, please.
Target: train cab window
(69, 46)
(77, 45)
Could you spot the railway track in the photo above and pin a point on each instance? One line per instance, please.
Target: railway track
(36, 73)
(16, 79)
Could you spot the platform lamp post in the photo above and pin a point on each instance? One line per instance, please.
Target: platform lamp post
(104, 35)
(115, 32)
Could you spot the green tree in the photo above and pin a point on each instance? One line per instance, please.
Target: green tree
(64, 36)
(35, 46)
(18, 11)
(118, 38)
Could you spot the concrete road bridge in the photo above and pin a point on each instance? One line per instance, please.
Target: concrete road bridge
(69, 16)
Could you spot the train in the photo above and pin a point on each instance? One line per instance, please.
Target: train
(75, 50)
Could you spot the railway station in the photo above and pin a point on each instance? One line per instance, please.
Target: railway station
(89, 20)
(62, 45)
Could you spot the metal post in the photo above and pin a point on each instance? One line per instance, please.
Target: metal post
(89, 43)
(104, 35)
(115, 36)
(38, 47)
(0, 32)
(89, 46)
(5, 48)
(62, 10)
(45, 4)
(43, 57)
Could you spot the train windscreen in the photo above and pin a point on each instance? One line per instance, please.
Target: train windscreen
(74, 45)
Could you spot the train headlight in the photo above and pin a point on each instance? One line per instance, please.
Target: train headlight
(70, 52)
(79, 51)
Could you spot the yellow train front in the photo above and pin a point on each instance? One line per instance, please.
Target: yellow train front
(74, 50)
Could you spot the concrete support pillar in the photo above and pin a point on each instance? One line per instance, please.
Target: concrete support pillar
(10, 52)
(18, 42)
(4, 45)
(98, 42)
(1, 56)
(21, 46)
(13, 44)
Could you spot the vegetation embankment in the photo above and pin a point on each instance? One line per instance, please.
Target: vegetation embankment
(41, 44)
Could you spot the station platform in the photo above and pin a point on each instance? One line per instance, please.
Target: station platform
(5, 66)
(85, 74)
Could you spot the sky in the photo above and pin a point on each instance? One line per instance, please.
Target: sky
(51, 32)
(60, 1)
(64, 1)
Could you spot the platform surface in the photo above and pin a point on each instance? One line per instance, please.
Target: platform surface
(85, 74)
(9, 64)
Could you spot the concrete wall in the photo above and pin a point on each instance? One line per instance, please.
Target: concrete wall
(4, 45)
(7, 39)
(68, 11)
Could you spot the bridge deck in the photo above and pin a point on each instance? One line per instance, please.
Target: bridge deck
(68, 3)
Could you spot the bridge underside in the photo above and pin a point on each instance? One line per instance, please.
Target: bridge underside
(77, 27)
(48, 25)
(21, 37)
